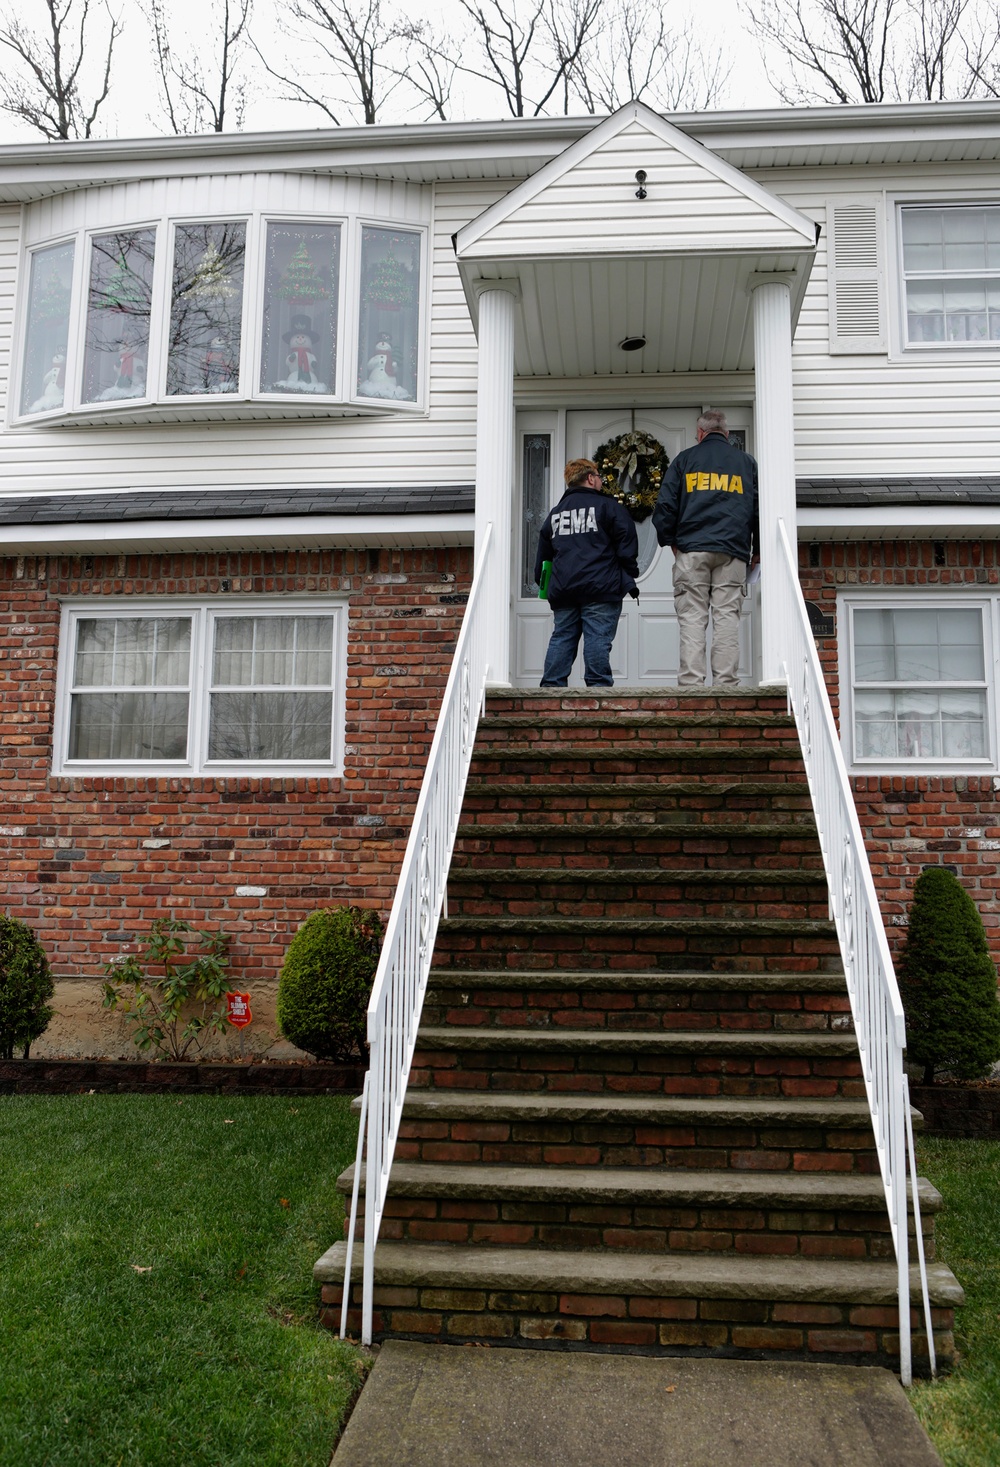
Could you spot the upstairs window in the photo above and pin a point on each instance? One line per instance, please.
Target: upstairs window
(119, 305)
(192, 316)
(951, 274)
(50, 289)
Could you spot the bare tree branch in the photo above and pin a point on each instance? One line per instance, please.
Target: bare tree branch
(637, 57)
(199, 88)
(359, 42)
(874, 50)
(43, 86)
(529, 55)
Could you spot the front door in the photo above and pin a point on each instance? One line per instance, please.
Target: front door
(645, 651)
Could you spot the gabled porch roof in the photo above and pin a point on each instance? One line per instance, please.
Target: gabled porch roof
(595, 263)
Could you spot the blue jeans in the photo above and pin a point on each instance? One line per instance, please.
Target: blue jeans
(597, 622)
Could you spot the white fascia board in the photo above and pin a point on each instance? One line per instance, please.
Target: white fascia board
(697, 152)
(282, 532)
(861, 522)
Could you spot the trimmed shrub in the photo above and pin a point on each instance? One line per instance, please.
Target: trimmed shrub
(948, 981)
(25, 988)
(325, 982)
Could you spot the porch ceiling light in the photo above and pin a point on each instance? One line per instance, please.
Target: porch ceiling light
(632, 343)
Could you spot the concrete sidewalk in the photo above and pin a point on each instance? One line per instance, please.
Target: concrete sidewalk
(455, 1406)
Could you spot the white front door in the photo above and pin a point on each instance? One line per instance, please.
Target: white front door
(645, 650)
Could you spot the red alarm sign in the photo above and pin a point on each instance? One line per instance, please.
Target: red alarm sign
(238, 1006)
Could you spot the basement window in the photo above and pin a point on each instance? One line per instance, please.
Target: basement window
(202, 688)
(919, 693)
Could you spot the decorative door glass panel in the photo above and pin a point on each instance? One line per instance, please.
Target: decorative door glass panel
(116, 347)
(535, 472)
(301, 280)
(131, 688)
(272, 688)
(43, 379)
(388, 344)
(206, 309)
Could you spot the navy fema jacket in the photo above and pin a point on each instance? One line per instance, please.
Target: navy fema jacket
(708, 500)
(592, 544)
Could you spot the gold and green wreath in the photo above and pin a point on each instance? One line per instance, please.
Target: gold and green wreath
(632, 468)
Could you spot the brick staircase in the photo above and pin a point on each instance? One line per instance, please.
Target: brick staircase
(636, 1118)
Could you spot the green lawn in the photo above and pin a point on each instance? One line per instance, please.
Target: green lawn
(156, 1301)
(962, 1411)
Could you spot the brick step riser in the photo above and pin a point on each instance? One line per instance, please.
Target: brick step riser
(639, 1228)
(624, 900)
(757, 1330)
(591, 951)
(576, 849)
(656, 804)
(692, 1083)
(645, 701)
(765, 1013)
(622, 767)
(560, 743)
(770, 1147)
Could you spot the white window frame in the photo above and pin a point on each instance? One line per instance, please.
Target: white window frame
(878, 599)
(902, 347)
(203, 611)
(155, 403)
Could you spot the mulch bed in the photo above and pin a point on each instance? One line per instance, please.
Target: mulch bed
(71, 1077)
(971, 1110)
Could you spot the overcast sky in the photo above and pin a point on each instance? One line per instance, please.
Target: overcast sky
(127, 114)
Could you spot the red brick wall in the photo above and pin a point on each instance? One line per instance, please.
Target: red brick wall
(80, 873)
(914, 821)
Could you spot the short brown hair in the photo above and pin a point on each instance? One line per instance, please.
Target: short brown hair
(578, 469)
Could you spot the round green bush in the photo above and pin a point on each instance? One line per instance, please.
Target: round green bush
(948, 981)
(325, 982)
(25, 987)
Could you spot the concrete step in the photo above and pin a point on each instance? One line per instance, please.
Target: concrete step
(649, 1211)
(823, 1308)
(582, 702)
(579, 760)
(585, 1041)
(716, 797)
(630, 832)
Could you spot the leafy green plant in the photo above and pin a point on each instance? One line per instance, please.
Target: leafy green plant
(25, 988)
(174, 1009)
(948, 981)
(326, 979)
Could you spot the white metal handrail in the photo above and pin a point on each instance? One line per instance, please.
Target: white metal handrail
(871, 980)
(401, 980)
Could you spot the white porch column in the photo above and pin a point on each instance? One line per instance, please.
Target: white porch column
(775, 441)
(495, 459)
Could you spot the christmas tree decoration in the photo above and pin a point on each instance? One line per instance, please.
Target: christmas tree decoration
(389, 284)
(212, 280)
(51, 303)
(301, 280)
(124, 291)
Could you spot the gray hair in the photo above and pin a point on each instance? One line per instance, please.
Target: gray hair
(713, 420)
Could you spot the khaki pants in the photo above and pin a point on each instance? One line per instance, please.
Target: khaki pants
(705, 581)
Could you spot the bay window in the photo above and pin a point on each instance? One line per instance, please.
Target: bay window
(201, 316)
(201, 687)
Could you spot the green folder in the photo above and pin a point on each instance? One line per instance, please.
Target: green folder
(543, 585)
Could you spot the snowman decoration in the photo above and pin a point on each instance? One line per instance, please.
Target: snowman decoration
(381, 373)
(53, 386)
(131, 377)
(301, 359)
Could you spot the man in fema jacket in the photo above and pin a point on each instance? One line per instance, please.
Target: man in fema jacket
(592, 544)
(707, 513)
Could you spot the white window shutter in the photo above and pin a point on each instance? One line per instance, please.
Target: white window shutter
(855, 246)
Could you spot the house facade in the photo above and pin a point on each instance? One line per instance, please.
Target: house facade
(265, 396)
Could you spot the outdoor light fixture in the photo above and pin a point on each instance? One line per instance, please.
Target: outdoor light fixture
(640, 179)
(632, 343)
